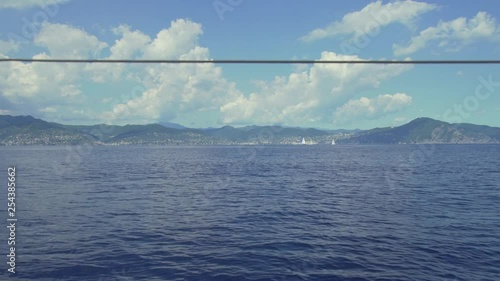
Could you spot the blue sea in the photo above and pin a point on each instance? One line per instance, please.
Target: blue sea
(391, 212)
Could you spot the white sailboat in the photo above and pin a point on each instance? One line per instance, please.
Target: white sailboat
(303, 141)
(333, 142)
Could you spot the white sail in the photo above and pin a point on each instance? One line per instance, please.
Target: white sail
(333, 142)
(303, 141)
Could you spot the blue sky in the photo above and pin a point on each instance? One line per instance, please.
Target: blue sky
(324, 96)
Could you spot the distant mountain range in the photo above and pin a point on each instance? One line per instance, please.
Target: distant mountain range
(427, 130)
(27, 130)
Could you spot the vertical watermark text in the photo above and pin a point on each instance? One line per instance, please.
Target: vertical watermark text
(12, 219)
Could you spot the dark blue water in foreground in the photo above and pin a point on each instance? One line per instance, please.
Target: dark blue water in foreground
(407, 212)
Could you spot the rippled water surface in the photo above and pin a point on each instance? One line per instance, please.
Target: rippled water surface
(406, 212)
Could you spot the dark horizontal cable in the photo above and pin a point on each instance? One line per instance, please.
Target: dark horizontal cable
(228, 61)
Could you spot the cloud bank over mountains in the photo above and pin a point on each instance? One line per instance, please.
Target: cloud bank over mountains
(170, 90)
(319, 93)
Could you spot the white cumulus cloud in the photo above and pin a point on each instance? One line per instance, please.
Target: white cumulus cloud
(169, 90)
(164, 92)
(309, 96)
(41, 84)
(35, 87)
(65, 41)
(172, 42)
(131, 44)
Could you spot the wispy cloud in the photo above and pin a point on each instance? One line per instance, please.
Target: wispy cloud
(453, 35)
(399, 120)
(365, 108)
(22, 4)
(8, 46)
(374, 16)
(5, 112)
